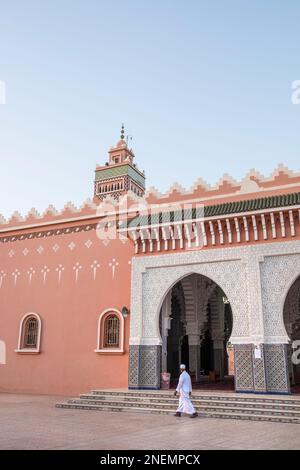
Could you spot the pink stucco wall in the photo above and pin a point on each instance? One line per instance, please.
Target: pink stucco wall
(69, 310)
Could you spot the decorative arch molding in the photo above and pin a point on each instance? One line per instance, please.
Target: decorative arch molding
(278, 274)
(27, 350)
(291, 309)
(255, 278)
(154, 276)
(200, 270)
(100, 348)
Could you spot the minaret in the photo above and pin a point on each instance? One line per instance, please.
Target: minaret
(120, 174)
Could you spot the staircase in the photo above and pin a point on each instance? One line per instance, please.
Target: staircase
(210, 405)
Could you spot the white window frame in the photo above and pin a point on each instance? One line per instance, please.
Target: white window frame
(20, 348)
(2, 352)
(100, 333)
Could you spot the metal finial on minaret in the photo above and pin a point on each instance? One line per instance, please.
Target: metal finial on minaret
(122, 132)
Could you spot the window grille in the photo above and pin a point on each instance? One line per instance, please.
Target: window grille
(111, 332)
(30, 333)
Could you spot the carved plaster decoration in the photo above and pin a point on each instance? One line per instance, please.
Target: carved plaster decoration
(60, 268)
(76, 268)
(2, 276)
(113, 265)
(255, 279)
(15, 274)
(94, 267)
(45, 270)
(30, 273)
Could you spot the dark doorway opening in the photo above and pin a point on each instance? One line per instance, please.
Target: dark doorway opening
(196, 326)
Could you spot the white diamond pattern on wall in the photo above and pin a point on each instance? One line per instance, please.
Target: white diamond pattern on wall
(88, 243)
(40, 250)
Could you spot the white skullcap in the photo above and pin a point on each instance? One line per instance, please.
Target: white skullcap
(182, 366)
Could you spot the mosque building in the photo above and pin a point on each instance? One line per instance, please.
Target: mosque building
(133, 283)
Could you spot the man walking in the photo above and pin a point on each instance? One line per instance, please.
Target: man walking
(184, 388)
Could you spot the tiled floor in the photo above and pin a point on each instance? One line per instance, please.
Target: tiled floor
(33, 422)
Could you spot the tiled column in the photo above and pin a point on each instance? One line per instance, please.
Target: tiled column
(261, 370)
(243, 368)
(249, 360)
(144, 367)
(277, 371)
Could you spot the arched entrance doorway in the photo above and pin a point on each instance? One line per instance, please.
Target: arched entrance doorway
(291, 316)
(195, 327)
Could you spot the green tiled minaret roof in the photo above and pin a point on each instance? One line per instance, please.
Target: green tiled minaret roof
(227, 208)
(121, 170)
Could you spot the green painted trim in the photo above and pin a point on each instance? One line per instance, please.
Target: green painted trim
(227, 208)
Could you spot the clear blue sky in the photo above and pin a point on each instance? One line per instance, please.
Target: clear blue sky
(204, 87)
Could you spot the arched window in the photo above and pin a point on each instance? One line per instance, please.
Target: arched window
(110, 338)
(31, 329)
(111, 331)
(29, 334)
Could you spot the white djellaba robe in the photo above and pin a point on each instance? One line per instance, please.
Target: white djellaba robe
(184, 387)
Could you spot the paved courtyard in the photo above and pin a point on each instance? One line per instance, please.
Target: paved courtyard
(33, 422)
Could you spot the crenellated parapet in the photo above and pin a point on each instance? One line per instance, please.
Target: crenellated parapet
(255, 209)
(281, 180)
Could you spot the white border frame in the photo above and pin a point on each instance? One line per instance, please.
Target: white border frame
(29, 350)
(119, 350)
(2, 352)
(257, 302)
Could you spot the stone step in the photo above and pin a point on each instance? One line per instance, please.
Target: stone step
(105, 407)
(233, 414)
(202, 407)
(173, 401)
(199, 396)
(227, 406)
